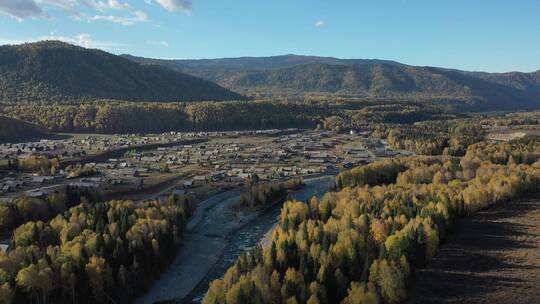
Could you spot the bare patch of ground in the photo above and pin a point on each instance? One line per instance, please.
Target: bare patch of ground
(492, 257)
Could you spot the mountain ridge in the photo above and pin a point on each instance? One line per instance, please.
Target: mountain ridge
(252, 62)
(57, 71)
(476, 90)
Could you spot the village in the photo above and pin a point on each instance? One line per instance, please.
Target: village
(180, 163)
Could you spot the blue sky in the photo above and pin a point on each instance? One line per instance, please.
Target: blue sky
(487, 35)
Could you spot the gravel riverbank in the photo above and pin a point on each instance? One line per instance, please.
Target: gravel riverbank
(214, 237)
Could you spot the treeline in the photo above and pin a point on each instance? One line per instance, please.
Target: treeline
(433, 137)
(36, 163)
(24, 208)
(524, 150)
(382, 172)
(262, 194)
(106, 252)
(359, 245)
(513, 119)
(377, 173)
(126, 117)
(450, 137)
(356, 115)
(45, 166)
(108, 116)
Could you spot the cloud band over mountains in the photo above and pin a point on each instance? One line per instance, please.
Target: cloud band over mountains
(89, 10)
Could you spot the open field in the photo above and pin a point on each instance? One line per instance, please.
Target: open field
(507, 133)
(493, 257)
(81, 136)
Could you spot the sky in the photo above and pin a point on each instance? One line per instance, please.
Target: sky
(479, 35)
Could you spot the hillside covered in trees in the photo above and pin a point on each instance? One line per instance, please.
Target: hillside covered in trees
(388, 81)
(49, 71)
(121, 117)
(251, 63)
(14, 130)
(364, 78)
(361, 243)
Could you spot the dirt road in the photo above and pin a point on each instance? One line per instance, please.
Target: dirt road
(493, 257)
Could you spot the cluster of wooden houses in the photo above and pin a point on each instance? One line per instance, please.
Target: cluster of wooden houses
(287, 154)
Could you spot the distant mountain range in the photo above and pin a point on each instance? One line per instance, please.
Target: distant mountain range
(252, 63)
(55, 71)
(364, 78)
(52, 71)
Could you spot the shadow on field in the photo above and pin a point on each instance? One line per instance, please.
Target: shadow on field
(492, 257)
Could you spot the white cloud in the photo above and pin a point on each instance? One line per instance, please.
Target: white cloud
(111, 18)
(173, 5)
(116, 11)
(115, 4)
(82, 39)
(14, 41)
(99, 5)
(138, 16)
(67, 5)
(20, 9)
(164, 44)
(87, 41)
(319, 23)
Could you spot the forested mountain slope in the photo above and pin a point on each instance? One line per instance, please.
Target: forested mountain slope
(365, 78)
(487, 92)
(251, 63)
(525, 82)
(55, 71)
(14, 129)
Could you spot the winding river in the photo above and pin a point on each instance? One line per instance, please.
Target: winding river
(215, 239)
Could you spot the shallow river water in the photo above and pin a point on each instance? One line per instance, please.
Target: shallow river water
(253, 233)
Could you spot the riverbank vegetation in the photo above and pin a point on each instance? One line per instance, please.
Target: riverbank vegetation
(43, 207)
(448, 137)
(91, 253)
(360, 244)
(258, 195)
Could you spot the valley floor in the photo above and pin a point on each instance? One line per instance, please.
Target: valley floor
(205, 248)
(492, 257)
